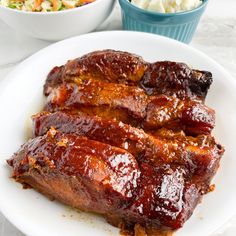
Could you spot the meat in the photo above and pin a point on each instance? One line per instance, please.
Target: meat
(131, 105)
(125, 138)
(198, 155)
(94, 176)
(105, 175)
(54, 79)
(169, 78)
(107, 65)
(177, 79)
(108, 96)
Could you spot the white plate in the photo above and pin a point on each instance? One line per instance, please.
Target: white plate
(21, 96)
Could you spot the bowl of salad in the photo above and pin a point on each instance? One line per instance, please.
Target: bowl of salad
(55, 19)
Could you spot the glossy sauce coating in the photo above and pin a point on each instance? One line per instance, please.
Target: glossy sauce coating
(107, 65)
(110, 65)
(131, 105)
(68, 168)
(164, 77)
(117, 141)
(172, 198)
(197, 155)
(108, 170)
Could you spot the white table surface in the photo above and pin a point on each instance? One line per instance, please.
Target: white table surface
(215, 36)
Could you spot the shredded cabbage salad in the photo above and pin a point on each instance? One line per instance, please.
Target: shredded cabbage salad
(44, 5)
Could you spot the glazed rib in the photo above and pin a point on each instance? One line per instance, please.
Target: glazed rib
(104, 175)
(198, 155)
(101, 178)
(172, 78)
(165, 77)
(107, 65)
(95, 97)
(131, 105)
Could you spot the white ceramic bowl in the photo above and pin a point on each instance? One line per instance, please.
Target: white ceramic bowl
(61, 24)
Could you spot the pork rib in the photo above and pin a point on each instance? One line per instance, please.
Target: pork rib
(101, 178)
(131, 105)
(165, 77)
(107, 65)
(172, 78)
(198, 155)
(102, 170)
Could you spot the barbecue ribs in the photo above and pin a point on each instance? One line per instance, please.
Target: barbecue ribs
(113, 182)
(125, 138)
(197, 154)
(132, 105)
(169, 78)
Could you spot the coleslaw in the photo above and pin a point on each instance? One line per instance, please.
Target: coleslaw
(44, 5)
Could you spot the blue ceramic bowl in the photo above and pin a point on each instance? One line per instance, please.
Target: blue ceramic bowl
(180, 26)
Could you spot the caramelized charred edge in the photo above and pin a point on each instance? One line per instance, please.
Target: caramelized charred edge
(131, 105)
(172, 78)
(196, 154)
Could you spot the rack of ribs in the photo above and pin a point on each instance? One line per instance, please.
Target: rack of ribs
(125, 138)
